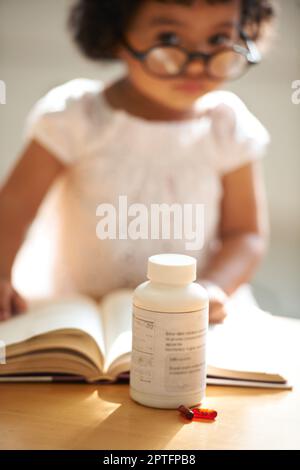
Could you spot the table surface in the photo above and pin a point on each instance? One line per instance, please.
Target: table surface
(81, 416)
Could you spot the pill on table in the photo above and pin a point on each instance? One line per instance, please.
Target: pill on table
(186, 412)
(204, 413)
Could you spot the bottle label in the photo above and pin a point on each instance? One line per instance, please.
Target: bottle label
(168, 352)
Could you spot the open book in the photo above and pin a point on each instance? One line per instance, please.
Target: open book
(76, 339)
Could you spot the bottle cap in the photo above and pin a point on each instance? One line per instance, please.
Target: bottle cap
(171, 268)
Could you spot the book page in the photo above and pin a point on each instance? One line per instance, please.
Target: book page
(116, 314)
(246, 341)
(43, 317)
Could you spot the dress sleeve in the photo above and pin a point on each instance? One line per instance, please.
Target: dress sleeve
(240, 136)
(56, 121)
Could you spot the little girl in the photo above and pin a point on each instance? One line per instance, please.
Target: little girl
(163, 133)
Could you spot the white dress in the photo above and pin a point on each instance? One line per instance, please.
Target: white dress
(109, 153)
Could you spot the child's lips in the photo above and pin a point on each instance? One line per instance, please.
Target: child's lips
(191, 86)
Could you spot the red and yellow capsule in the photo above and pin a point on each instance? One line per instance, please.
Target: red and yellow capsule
(204, 413)
(197, 413)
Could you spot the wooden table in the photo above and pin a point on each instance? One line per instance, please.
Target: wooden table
(79, 416)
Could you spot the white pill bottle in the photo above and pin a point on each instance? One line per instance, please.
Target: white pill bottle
(169, 332)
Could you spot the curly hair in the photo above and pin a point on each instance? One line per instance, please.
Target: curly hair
(98, 25)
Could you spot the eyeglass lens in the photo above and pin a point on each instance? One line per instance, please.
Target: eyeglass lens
(168, 61)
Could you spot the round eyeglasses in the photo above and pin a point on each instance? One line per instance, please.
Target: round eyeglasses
(228, 63)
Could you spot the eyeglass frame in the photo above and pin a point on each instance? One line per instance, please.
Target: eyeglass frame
(251, 53)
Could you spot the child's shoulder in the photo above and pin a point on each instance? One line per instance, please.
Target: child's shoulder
(222, 103)
(239, 135)
(231, 117)
(74, 94)
(60, 119)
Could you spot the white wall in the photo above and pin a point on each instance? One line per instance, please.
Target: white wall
(36, 54)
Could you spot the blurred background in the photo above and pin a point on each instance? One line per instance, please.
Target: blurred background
(36, 54)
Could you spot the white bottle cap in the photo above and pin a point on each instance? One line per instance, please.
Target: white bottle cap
(170, 268)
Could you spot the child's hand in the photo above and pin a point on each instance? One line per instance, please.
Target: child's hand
(11, 303)
(217, 302)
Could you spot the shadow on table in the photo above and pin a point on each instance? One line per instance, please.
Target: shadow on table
(130, 425)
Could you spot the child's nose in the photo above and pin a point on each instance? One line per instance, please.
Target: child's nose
(195, 68)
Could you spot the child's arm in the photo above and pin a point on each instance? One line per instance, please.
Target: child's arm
(20, 198)
(243, 233)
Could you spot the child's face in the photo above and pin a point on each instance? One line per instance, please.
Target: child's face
(199, 27)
